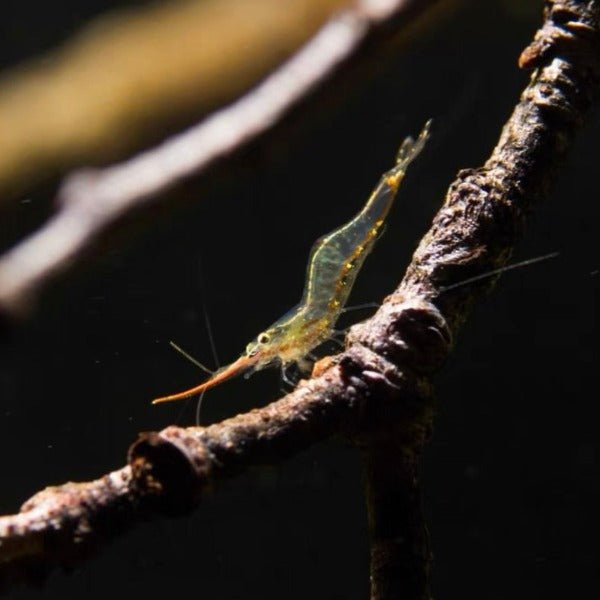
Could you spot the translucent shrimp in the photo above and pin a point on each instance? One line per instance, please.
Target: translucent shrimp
(334, 263)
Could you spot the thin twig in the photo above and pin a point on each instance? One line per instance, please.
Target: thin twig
(378, 390)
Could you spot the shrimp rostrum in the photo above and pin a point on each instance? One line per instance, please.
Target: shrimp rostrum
(333, 265)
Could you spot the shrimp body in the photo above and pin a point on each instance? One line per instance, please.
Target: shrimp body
(333, 265)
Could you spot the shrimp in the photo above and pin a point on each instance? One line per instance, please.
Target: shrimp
(334, 262)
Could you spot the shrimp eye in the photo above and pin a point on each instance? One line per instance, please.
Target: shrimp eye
(264, 338)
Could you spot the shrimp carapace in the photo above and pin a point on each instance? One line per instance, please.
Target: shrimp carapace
(333, 265)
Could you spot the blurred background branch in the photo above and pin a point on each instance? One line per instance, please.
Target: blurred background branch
(149, 70)
(138, 71)
(92, 202)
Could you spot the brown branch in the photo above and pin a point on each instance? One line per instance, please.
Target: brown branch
(91, 202)
(170, 470)
(81, 512)
(378, 390)
(400, 555)
(474, 232)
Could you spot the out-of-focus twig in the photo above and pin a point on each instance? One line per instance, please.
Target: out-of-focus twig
(132, 73)
(378, 390)
(92, 201)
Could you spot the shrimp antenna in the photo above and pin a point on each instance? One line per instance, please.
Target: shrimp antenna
(190, 358)
(211, 341)
(360, 307)
(213, 348)
(211, 338)
(199, 407)
(201, 366)
(517, 265)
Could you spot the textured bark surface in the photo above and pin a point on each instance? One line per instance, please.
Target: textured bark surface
(475, 231)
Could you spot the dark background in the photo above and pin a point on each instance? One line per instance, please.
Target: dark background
(512, 474)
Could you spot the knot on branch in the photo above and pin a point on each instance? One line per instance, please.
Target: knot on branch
(170, 469)
(410, 333)
(570, 30)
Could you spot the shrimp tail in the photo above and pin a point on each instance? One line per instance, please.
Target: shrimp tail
(240, 365)
(411, 148)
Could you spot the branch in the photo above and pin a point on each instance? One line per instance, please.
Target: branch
(400, 555)
(169, 471)
(92, 202)
(378, 390)
(475, 232)
(168, 61)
